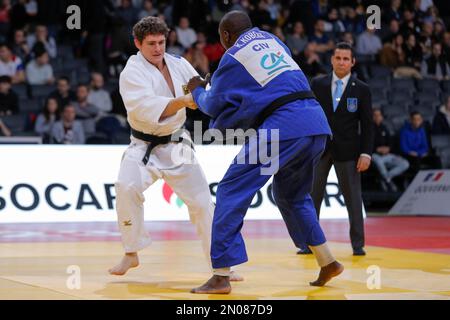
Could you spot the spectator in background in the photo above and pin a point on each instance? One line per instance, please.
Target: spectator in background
(39, 71)
(412, 61)
(334, 25)
(85, 111)
(368, 45)
(46, 120)
(436, 66)
(197, 58)
(441, 121)
(63, 93)
(5, 7)
(388, 164)
(392, 54)
(439, 30)
(172, 45)
(390, 33)
(278, 31)
(4, 130)
(354, 22)
(393, 13)
(148, 10)
(186, 35)
(98, 96)
(426, 38)
(9, 101)
(128, 13)
(414, 144)
(309, 62)
(322, 42)
(348, 37)
(409, 24)
(20, 47)
(11, 65)
(18, 16)
(446, 46)
(297, 40)
(41, 35)
(68, 130)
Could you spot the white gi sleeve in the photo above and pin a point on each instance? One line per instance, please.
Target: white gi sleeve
(139, 98)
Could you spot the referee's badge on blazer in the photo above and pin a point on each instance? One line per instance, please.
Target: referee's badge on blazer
(352, 104)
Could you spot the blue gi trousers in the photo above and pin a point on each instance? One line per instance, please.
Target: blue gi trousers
(297, 159)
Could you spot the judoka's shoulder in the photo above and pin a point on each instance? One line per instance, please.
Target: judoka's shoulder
(134, 68)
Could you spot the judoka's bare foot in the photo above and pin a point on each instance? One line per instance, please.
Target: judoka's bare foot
(327, 273)
(215, 285)
(235, 277)
(129, 260)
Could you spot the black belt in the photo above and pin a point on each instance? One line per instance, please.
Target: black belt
(300, 95)
(154, 141)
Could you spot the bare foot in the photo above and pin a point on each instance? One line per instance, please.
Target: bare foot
(129, 260)
(235, 277)
(215, 285)
(327, 273)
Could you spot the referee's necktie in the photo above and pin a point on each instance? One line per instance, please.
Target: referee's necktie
(337, 94)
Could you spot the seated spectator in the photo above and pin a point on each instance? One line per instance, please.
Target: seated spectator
(148, 10)
(63, 93)
(128, 13)
(20, 47)
(392, 54)
(349, 38)
(9, 101)
(446, 46)
(98, 96)
(412, 59)
(173, 46)
(46, 120)
(368, 45)
(68, 130)
(409, 24)
(388, 164)
(297, 40)
(5, 7)
(278, 32)
(11, 65)
(197, 58)
(322, 42)
(436, 66)
(426, 38)
(354, 22)
(388, 34)
(39, 71)
(4, 130)
(414, 144)
(309, 62)
(186, 35)
(441, 121)
(41, 35)
(85, 111)
(334, 25)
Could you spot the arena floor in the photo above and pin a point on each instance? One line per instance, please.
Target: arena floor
(412, 255)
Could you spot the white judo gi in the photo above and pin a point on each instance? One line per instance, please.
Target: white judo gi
(146, 94)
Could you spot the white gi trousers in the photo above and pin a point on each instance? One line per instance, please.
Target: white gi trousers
(184, 176)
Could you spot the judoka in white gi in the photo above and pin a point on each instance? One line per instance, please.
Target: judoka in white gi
(151, 88)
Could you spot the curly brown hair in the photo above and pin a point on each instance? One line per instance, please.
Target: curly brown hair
(149, 25)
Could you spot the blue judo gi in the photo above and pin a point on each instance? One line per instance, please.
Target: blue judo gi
(257, 70)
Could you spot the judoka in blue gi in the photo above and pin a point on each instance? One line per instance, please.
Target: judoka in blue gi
(257, 84)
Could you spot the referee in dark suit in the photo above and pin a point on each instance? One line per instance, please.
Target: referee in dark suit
(347, 105)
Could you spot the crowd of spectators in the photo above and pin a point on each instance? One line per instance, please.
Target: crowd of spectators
(64, 82)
